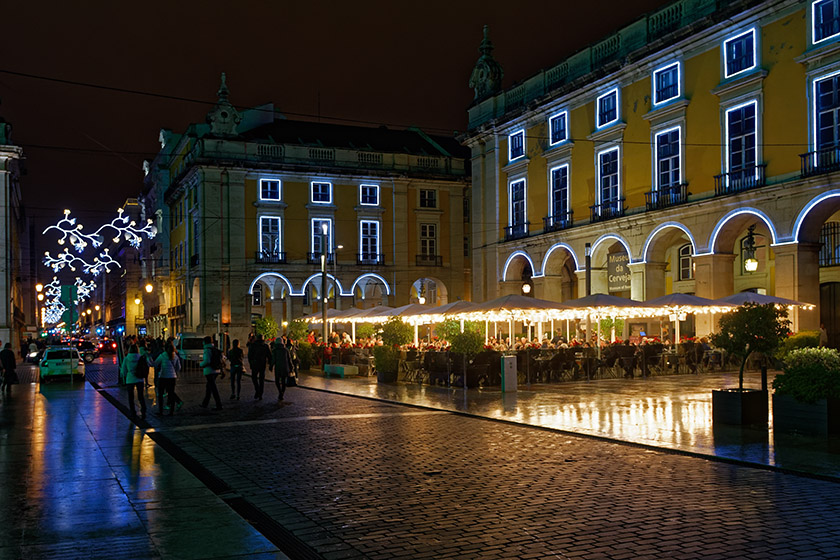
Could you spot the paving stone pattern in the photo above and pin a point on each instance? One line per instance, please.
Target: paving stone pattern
(356, 478)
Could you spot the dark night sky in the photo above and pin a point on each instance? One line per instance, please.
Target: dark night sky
(377, 61)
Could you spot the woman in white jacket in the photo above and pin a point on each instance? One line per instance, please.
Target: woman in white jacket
(168, 363)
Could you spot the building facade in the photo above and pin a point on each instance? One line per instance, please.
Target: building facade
(697, 138)
(246, 204)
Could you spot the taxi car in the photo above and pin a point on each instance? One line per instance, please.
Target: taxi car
(60, 361)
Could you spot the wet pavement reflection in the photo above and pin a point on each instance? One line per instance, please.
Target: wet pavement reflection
(669, 412)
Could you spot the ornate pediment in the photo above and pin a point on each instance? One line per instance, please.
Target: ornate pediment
(223, 118)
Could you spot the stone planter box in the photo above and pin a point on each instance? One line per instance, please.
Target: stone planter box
(386, 376)
(820, 418)
(747, 408)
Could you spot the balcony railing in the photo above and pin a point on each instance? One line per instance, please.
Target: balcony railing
(428, 260)
(557, 222)
(517, 231)
(606, 210)
(740, 180)
(370, 258)
(820, 161)
(271, 257)
(315, 258)
(667, 196)
(193, 260)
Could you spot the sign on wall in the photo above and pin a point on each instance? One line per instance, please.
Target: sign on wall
(618, 273)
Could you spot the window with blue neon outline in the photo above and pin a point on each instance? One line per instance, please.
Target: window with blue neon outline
(322, 193)
(827, 99)
(666, 83)
(559, 193)
(270, 235)
(369, 195)
(740, 53)
(826, 20)
(369, 240)
(269, 189)
(668, 159)
(741, 132)
(516, 142)
(317, 225)
(517, 203)
(608, 179)
(607, 108)
(557, 128)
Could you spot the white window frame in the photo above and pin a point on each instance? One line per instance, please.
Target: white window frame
(512, 182)
(279, 189)
(312, 192)
(814, 40)
(614, 91)
(726, 112)
(312, 234)
(362, 188)
(377, 251)
(599, 189)
(551, 188)
(655, 88)
(565, 116)
(814, 108)
(510, 145)
(656, 136)
(279, 231)
(724, 52)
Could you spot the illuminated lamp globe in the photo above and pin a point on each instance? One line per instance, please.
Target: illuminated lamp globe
(137, 301)
(149, 288)
(97, 308)
(40, 297)
(751, 264)
(421, 300)
(526, 288)
(39, 287)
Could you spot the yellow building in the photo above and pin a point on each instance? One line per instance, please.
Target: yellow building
(247, 204)
(675, 150)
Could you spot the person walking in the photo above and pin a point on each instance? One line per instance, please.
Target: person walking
(7, 360)
(168, 364)
(212, 364)
(235, 356)
(282, 364)
(135, 368)
(259, 357)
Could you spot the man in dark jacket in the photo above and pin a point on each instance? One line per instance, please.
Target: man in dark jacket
(282, 366)
(7, 360)
(259, 356)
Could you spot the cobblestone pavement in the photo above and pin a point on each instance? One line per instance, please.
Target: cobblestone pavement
(363, 478)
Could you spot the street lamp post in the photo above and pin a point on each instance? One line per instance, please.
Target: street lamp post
(324, 297)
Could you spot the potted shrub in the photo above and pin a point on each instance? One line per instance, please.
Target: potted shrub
(750, 328)
(806, 397)
(394, 334)
(465, 347)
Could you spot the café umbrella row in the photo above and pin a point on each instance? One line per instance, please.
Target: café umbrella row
(537, 312)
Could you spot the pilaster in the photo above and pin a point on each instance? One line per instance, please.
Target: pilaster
(647, 280)
(798, 278)
(713, 279)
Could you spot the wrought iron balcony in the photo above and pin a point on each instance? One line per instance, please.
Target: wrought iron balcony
(744, 179)
(667, 196)
(517, 231)
(557, 222)
(606, 210)
(315, 258)
(428, 260)
(370, 258)
(271, 257)
(820, 161)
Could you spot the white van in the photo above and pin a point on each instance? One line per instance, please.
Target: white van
(190, 347)
(60, 361)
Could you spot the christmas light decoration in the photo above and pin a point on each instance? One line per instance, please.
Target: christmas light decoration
(83, 290)
(71, 231)
(123, 225)
(66, 259)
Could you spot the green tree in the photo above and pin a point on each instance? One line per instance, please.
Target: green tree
(267, 327)
(365, 330)
(450, 328)
(297, 329)
(396, 333)
(469, 343)
(751, 328)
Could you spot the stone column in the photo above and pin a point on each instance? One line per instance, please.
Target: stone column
(714, 278)
(798, 278)
(549, 287)
(511, 287)
(647, 280)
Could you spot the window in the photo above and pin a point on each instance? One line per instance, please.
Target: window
(269, 189)
(317, 232)
(256, 296)
(608, 179)
(369, 195)
(739, 53)
(686, 270)
(428, 198)
(322, 193)
(607, 106)
(826, 20)
(369, 240)
(741, 140)
(559, 193)
(517, 216)
(827, 113)
(270, 236)
(466, 246)
(557, 128)
(668, 159)
(516, 145)
(428, 240)
(666, 83)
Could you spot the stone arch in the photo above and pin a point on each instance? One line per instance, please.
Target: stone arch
(599, 243)
(315, 281)
(809, 221)
(274, 282)
(557, 280)
(516, 264)
(559, 247)
(663, 236)
(371, 288)
(728, 229)
(604, 246)
(433, 289)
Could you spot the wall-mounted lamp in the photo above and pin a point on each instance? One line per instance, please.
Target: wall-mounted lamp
(750, 262)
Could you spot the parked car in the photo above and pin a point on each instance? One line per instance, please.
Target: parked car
(60, 361)
(88, 350)
(35, 357)
(107, 346)
(190, 347)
